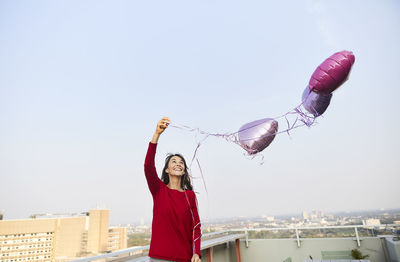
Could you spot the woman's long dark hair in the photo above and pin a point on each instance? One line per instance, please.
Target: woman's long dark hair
(185, 180)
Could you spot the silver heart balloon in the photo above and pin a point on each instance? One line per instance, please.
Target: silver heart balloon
(255, 136)
(315, 103)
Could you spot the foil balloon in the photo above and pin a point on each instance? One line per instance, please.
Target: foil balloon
(332, 73)
(315, 103)
(255, 136)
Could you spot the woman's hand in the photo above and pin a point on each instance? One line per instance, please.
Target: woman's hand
(195, 258)
(161, 126)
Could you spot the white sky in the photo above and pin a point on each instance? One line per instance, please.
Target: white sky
(83, 83)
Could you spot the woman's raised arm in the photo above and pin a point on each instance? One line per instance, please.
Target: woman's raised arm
(153, 181)
(161, 126)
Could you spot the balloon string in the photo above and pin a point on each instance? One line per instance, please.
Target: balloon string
(306, 119)
(202, 176)
(195, 225)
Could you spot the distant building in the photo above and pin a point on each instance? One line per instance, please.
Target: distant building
(305, 215)
(58, 239)
(117, 238)
(372, 222)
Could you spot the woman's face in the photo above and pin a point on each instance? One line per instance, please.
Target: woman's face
(176, 166)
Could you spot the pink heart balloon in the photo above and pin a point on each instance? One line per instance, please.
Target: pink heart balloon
(332, 73)
(255, 136)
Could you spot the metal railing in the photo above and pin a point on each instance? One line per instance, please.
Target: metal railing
(129, 252)
(296, 229)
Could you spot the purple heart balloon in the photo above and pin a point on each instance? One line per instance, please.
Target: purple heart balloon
(255, 136)
(315, 103)
(332, 73)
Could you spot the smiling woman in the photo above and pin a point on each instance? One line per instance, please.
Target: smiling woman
(176, 224)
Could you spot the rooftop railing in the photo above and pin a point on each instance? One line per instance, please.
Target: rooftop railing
(297, 229)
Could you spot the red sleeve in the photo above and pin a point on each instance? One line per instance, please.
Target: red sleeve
(153, 181)
(196, 227)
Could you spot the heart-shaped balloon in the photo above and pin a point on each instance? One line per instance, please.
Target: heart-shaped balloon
(255, 136)
(332, 73)
(315, 103)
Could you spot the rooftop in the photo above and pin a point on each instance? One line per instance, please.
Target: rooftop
(235, 245)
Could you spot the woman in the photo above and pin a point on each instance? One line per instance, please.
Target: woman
(176, 225)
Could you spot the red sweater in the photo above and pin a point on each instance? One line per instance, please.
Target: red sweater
(176, 221)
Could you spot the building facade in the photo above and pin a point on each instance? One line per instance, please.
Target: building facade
(117, 238)
(58, 239)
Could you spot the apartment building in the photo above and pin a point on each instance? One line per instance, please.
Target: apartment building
(59, 238)
(117, 238)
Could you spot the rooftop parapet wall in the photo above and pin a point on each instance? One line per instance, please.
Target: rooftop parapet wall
(393, 248)
(261, 250)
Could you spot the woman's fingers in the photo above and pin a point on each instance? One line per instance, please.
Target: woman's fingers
(164, 125)
(165, 121)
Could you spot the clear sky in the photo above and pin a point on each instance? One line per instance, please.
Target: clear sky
(83, 83)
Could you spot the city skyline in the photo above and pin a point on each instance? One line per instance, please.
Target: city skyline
(367, 213)
(83, 84)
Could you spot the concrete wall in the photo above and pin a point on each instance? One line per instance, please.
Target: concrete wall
(221, 253)
(281, 249)
(393, 249)
(261, 250)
